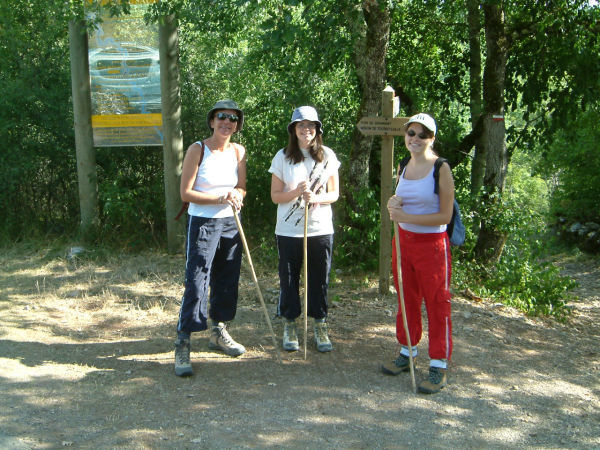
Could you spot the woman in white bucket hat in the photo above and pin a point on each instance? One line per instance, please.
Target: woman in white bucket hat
(304, 174)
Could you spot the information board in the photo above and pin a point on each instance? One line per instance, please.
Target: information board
(124, 71)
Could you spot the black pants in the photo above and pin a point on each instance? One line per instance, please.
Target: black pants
(214, 257)
(291, 255)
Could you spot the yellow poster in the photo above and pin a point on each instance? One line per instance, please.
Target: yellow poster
(124, 71)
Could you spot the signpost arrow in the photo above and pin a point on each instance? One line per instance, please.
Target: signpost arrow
(382, 126)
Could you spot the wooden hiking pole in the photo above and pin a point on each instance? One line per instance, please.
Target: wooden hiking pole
(305, 275)
(262, 301)
(403, 308)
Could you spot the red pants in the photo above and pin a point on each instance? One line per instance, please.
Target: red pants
(426, 268)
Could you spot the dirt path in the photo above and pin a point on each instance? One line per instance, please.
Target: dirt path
(86, 361)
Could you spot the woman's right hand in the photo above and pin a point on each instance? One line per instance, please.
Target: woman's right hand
(394, 206)
(394, 202)
(301, 188)
(235, 199)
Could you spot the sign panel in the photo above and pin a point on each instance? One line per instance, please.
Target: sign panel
(125, 79)
(382, 126)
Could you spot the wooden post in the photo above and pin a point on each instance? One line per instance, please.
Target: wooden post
(387, 126)
(387, 174)
(172, 135)
(84, 140)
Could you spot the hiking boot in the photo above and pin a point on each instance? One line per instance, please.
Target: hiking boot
(290, 337)
(397, 366)
(221, 340)
(321, 338)
(183, 366)
(435, 382)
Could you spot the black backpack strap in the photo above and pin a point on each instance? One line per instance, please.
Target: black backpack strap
(403, 162)
(185, 205)
(201, 153)
(436, 174)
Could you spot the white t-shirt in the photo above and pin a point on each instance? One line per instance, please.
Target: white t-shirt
(418, 198)
(290, 216)
(218, 175)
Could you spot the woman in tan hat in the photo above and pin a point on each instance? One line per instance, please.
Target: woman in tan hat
(213, 180)
(304, 174)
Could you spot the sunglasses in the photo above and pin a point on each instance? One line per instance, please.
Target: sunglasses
(308, 125)
(231, 117)
(411, 133)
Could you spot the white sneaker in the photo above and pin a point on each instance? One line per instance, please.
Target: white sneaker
(290, 337)
(321, 337)
(221, 340)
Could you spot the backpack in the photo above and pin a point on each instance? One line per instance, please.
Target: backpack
(456, 228)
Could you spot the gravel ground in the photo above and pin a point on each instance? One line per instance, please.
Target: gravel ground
(86, 361)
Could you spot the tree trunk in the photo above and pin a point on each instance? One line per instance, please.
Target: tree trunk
(490, 242)
(172, 135)
(474, 23)
(370, 59)
(84, 141)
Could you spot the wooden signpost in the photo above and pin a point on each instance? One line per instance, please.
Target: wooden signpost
(387, 126)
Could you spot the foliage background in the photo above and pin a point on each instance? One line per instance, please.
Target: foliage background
(272, 56)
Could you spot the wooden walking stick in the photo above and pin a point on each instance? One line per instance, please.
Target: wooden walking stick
(262, 301)
(403, 308)
(305, 275)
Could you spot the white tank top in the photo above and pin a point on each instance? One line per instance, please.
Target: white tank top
(418, 198)
(218, 175)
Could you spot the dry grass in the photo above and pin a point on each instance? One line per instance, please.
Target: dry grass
(89, 296)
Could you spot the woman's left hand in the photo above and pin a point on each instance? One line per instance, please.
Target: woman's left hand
(397, 215)
(235, 199)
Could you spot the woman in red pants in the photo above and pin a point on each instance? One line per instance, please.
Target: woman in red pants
(422, 215)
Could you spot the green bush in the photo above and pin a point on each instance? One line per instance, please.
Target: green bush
(131, 197)
(521, 278)
(38, 191)
(357, 242)
(573, 163)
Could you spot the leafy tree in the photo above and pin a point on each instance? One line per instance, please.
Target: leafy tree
(531, 41)
(573, 163)
(37, 190)
(274, 55)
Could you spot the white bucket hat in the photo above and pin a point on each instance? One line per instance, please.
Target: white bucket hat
(424, 119)
(305, 113)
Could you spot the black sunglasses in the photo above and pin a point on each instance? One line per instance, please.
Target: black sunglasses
(231, 117)
(412, 133)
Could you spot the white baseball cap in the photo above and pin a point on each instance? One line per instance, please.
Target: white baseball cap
(424, 119)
